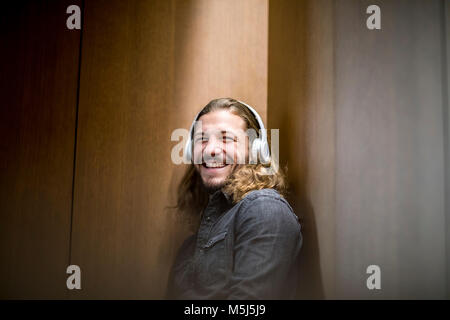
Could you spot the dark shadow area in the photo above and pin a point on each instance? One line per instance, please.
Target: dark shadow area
(288, 112)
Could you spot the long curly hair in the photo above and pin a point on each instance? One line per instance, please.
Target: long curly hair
(192, 197)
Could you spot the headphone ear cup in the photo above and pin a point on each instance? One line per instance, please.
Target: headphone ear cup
(265, 152)
(256, 150)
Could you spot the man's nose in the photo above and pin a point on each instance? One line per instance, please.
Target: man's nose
(213, 148)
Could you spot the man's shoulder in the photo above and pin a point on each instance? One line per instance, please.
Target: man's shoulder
(268, 192)
(268, 201)
(264, 196)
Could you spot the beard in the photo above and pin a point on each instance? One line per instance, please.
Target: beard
(211, 186)
(214, 179)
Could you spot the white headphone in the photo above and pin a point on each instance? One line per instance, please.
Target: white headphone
(260, 146)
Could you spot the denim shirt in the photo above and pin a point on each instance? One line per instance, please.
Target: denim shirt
(244, 251)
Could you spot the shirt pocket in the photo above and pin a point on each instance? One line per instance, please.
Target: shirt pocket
(212, 263)
(215, 239)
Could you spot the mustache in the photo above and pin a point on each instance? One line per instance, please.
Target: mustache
(214, 159)
(218, 159)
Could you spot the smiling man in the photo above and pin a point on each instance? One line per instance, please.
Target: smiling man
(246, 237)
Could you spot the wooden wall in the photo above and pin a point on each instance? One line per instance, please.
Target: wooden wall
(300, 103)
(87, 119)
(446, 120)
(147, 68)
(365, 137)
(39, 82)
(390, 150)
(123, 153)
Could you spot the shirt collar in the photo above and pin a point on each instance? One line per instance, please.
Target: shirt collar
(220, 194)
(221, 200)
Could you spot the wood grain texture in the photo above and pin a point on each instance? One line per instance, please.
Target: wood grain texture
(300, 104)
(446, 109)
(123, 156)
(37, 125)
(148, 68)
(389, 141)
(220, 51)
(364, 130)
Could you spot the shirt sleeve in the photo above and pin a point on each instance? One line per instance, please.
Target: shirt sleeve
(267, 243)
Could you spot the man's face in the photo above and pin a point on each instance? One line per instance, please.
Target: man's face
(220, 144)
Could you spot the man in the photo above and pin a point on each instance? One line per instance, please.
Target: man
(247, 243)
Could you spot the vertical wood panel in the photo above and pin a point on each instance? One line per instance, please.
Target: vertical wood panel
(389, 178)
(446, 108)
(123, 156)
(383, 91)
(221, 51)
(37, 114)
(300, 104)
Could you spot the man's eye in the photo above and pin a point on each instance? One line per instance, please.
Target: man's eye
(228, 139)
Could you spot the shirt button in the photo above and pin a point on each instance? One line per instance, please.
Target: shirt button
(208, 219)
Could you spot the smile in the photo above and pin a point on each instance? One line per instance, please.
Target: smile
(214, 165)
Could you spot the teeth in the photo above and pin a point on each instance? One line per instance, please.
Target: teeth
(214, 165)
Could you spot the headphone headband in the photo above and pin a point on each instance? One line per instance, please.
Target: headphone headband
(258, 118)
